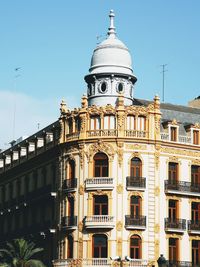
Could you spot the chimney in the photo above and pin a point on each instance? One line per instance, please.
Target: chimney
(195, 103)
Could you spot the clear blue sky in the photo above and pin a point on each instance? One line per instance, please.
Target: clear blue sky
(52, 41)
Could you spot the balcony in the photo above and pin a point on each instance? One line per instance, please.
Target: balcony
(99, 221)
(194, 227)
(99, 183)
(69, 222)
(103, 262)
(173, 263)
(135, 183)
(181, 138)
(136, 263)
(102, 133)
(135, 222)
(175, 225)
(70, 185)
(136, 134)
(182, 188)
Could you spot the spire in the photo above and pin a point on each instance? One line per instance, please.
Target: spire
(111, 29)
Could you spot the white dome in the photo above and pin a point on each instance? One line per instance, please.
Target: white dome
(111, 56)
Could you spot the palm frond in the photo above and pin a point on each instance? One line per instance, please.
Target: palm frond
(34, 263)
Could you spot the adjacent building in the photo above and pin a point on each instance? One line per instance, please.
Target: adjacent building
(116, 177)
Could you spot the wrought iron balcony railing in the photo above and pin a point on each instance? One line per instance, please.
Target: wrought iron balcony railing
(182, 186)
(70, 184)
(69, 221)
(138, 182)
(174, 263)
(194, 226)
(135, 221)
(171, 223)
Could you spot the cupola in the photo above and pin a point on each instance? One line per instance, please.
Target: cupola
(110, 73)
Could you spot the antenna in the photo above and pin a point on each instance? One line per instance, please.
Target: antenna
(38, 125)
(14, 96)
(98, 39)
(163, 81)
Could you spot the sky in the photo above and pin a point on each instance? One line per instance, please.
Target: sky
(52, 41)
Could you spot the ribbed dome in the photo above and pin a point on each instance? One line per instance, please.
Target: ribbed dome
(111, 56)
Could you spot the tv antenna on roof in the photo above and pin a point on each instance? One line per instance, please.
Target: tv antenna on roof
(163, 80)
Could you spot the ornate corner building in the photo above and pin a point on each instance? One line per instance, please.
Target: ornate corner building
(118, 176)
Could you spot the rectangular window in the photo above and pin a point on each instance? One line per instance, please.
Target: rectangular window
(100, 205)
(173, 205)
(173, 249)
(173, 172)
(195, 137)
(195, 211)
(130, 123)
(173, 134)
(141, 125)
(109, 122)
(95, 123)
(196, 252)
(195, 175)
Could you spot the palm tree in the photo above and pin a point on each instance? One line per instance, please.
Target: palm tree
(19, 253)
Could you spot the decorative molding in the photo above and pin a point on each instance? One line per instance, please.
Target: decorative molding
(120, 153)
(194, 237)
(80, 226)
(81, 189)
(135, 147)
(135, 193)
(173, 236)
(100, 147)
(157, 191)
(119, 188)
(182, 152)
(135, 232)
(157, 228)
(119, 226)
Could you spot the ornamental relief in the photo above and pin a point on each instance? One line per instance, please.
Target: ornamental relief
(135, 193)
(181, 152)
(135, 147)
(100, 147)
(173, 236)
(120, 120)
(135, 232)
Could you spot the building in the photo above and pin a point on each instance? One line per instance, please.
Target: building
(117, 177)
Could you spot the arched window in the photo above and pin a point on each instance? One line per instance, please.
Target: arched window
(71, 206)
(136, 167)
(100, 246)
(70, 247)
(135, 206)
(100, 165)
(135, 247)
(71, 170)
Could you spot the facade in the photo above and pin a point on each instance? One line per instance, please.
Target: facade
(117, 177)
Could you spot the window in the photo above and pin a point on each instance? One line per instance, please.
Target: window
(71, 206)
(135, 204)
(100, 247)
(173, 134)
(195, 137)
(195, 212)
(109, 122)
(70, 125)
(100, 205)
(95, 123)
(120, 87)
(77, 125)
(135, 247)
(103, 87)
(71, 170)
(70, 247)
(100, 165)
(196, 252)
(141, 125)
(173, 204)
(130, 122)
(195, 175)
(136, 167)
(173, 172)
(173, 249)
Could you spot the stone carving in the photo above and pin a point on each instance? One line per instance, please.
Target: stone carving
(119, 226)
(101, 147)
(119, 188)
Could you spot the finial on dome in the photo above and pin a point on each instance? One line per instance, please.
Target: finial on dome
(111, 29)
